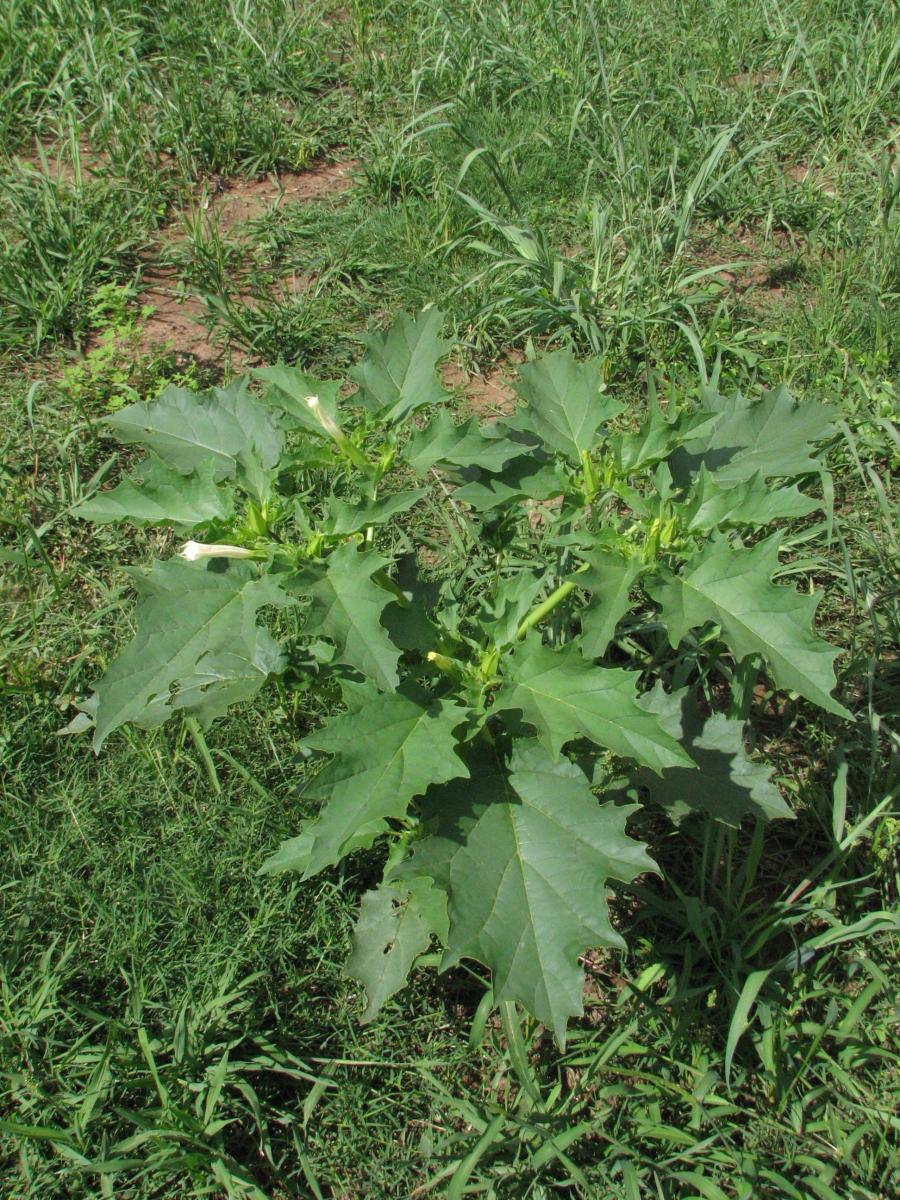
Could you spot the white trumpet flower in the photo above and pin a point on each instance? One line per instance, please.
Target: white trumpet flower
(194, 550)
(325, 420)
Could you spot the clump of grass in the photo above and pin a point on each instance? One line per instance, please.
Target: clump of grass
(60, 243)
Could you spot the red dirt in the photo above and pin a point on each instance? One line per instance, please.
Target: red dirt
(55, 159)
(177, 322)
(239, 200)
(753, 79)
(489, 395)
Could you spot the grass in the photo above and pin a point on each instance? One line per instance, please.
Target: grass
(670, 184)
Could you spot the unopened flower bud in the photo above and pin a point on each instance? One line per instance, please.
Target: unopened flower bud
(195, 550)
(327, 422)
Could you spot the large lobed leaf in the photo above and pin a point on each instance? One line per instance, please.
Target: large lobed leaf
(773, 436)
(609, 577)
(397, 374)
(749, 503)
(443, 443)
(528, 477)
(564, 406)
(346, 606)
(156, 494)
(343, 517)
(727, 784)
(525, 857)
(732, 588)
(289, 389)
(660, 433)
(565, 697)
(225, 427)
(387, 749)
(394, 927)
(197, 649)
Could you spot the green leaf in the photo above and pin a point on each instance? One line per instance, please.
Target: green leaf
(501, 615)
(609, 578)
(156, 494)
(527, 478)
(397, 374)
(387, 749)
(392, 930)
(225, 427)
(525, 858)
(731, 587)
(564, 404)
(660, 433)
(728, 784)
(294, 853)
(343, 518)
(288, 390)
(197, 648)
(772, 436)
(749, 504)
(443, 443)
(564, 697)
(346, 606)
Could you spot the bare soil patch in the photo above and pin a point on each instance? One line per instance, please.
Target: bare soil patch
(485, 395)
(753, 79)
(177, 321)
(770, 266)
(236, 201)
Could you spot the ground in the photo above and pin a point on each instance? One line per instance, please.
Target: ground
(190, 190)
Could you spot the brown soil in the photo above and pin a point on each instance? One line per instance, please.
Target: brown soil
(753, 79)
(769, 266)
(177, 322)
(802, 173)
(486, 396)
(236, 201)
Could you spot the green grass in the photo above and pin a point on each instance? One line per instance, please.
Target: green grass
(171, 1024)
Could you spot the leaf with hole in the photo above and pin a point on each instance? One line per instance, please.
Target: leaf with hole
(198, 647)
(393, 929)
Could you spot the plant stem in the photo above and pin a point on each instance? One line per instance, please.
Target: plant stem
(547, 606)
(193, 728)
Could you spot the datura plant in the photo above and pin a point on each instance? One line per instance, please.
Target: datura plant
(525, 631)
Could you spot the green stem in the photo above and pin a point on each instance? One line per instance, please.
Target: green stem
(384, 581)
(193, 728)
(541, 610)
